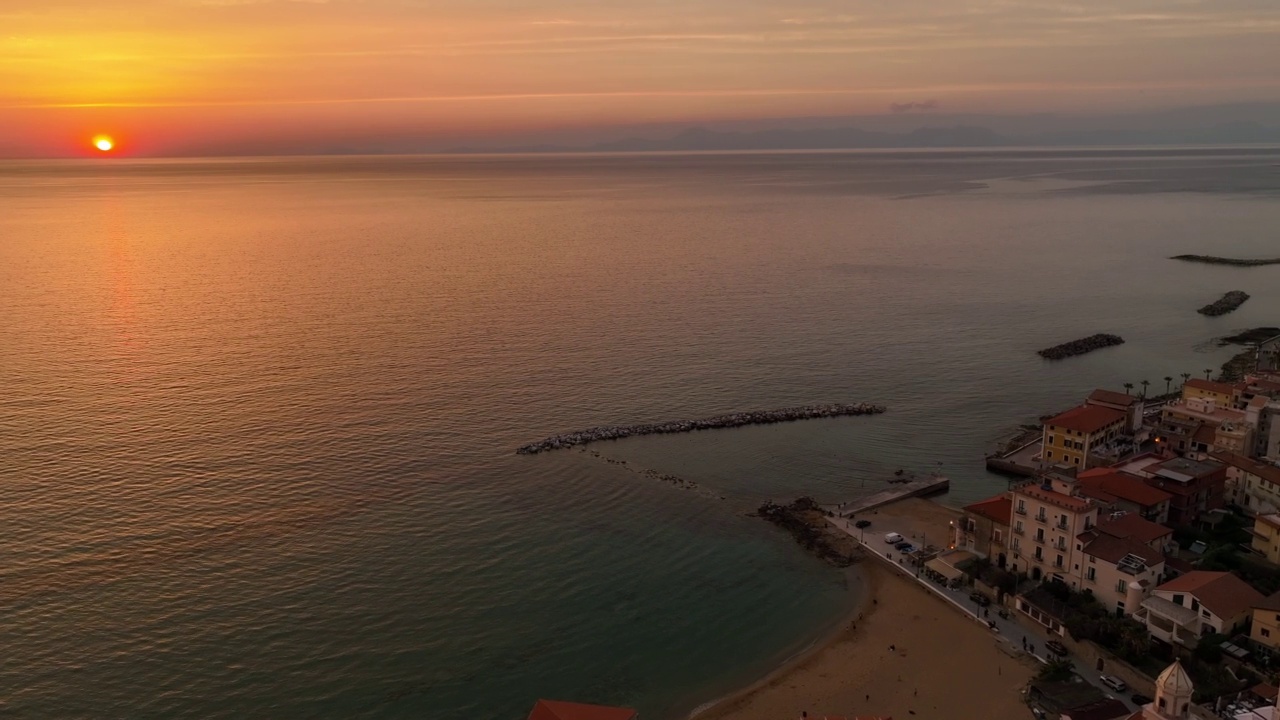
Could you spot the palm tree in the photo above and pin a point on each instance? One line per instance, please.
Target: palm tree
(1144, 384)
(1207, 373)
(1168, 383)
(1127, 388)
(1185, 378)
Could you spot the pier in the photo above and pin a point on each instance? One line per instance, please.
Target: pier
(732, 420)
(919, 487)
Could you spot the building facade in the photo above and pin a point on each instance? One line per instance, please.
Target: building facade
(1048, 515)
(983, 529)
(1081, 436)
(1199, 603)
(1264, 629)
(1195, 487)
(1251, 485)
(1120, 491)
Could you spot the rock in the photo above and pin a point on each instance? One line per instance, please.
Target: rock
(1227, 303)
(1081, 346)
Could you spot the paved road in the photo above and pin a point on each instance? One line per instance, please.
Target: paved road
(1012, 629)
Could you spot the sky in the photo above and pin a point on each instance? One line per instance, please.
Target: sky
(263, 76)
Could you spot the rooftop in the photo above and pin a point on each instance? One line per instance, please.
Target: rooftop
(1086, 419)
(1112, 549)
(1270, 473)
(997, 509)
(559, 710)
(1184, 469)
(1224, 594)
(1211, 386)
(1113, 398)
(1109, 485)
(1108, 709)
(1134, 527)
(1053, 497)
(1270, 602)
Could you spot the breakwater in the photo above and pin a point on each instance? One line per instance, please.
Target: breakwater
(1081, 346)
(1228, 302)
(807, 523)
(1213, 260)
(732, 420)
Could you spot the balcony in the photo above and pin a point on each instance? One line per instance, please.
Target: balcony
(1020, 511)
(1042, 518)
(1019, 531)
(1039, 540)
(1062, 525)
(1060, 546)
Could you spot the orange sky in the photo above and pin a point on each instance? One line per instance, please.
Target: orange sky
(184, 76)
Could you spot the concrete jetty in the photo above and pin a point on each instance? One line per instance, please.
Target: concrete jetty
(918, 487)
(732, 420)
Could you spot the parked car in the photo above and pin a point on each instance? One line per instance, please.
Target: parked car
(1113, 682)
(1139, 699)
(862, 524)
(1056, 647)
(905, 547)
(1038, 714)
(979, 598)
(893, 538)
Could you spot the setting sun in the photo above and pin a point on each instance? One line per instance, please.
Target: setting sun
(104, 143)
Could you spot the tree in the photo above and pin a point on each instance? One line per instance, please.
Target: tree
(1127, 388)
(1168, 383)
(1057, 670)
(1207, 373)
(1144, 384)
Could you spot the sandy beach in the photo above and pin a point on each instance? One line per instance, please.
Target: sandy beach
(941, 662)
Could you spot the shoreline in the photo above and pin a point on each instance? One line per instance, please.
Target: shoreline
(864, 582)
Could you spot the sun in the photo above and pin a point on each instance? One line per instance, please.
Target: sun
(104, 143)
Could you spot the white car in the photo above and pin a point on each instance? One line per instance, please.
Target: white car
(893, 538)
(1113, 682)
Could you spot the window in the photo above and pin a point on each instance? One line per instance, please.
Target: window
(1204, 614)
(1075, 461)
(1092, 573)
(1039, 554)
(1195, 604)
(1177, 599)
(1017, 527)
(1121, 586)
(1079, 547)
(997, 536)
(1265, 632)
(1049, 454)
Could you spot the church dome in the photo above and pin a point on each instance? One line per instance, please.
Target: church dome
(1174, 682)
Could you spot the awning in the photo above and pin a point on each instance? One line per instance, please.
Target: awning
(943, 569)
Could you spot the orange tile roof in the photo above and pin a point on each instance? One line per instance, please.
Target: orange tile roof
(1107, 484)
(1113, 397)
(997, 509)
(1270, 473)
(1114, 549)
(1076, 504)
(1086, 418)
(1131, 525)
(1223, 593)
(560, 710)
(1211, 386)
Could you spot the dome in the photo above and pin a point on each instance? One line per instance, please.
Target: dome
(1173, 691)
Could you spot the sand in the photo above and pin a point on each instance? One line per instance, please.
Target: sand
(943, 665)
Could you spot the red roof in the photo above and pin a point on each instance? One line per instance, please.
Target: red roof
(1223, 593)
(1112, 397)
(1211, 386)
(1270, 473)
(1086, 418)
(560, 710)
(1108, 484)
(997, 509)
(1131, 525)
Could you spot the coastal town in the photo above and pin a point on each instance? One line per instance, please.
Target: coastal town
(1130, 571)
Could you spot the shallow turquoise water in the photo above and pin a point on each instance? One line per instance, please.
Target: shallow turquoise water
(257, 444)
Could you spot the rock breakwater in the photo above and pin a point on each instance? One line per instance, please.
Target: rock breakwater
(1081, 346)
(732, 420)
(1228, 302)
(1214, 260)
(807, 523)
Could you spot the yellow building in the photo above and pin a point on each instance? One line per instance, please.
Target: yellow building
(1265, 629)
(1222, 394)
(1266, 536)
(1073, 437)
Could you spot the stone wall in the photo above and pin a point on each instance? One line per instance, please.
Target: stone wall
(1087, 653)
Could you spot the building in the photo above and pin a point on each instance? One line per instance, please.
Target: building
(984, 528)
(1123, 402)
(1263, 413)
(1120, 491)
(1195, 486)
(1081, 436)
(1196, 604)
(1105, 709)
(1222, 394)
(1266, 536)
(1264, 630)
(1231, 429)
(1269, 355)
(560, 710)
(1118, 564)
(1253, 486)
(1173, 696)
(1048, 514)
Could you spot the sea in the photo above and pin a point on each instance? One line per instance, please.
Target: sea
(259, 416)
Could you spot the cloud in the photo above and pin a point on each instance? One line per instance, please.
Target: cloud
(908, 107)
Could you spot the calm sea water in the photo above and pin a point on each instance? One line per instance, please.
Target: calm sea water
(256, 439)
